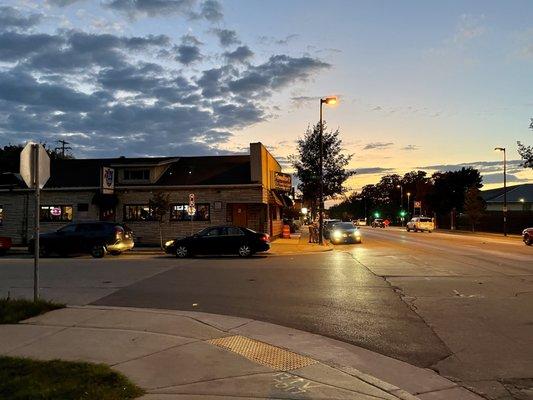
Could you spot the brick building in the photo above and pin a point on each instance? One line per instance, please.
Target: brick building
(245, 190)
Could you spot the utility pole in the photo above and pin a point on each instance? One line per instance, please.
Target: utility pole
(63, 147)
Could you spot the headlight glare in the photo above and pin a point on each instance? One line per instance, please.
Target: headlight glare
(169, 243)
(337, 234)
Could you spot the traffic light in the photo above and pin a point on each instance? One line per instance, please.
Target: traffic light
(402, 213)
(376, 214)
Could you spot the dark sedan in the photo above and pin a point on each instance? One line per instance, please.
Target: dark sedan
(345, 232)
(96, 238)
(220, 240)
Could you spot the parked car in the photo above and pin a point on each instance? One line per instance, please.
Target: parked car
(360, 222)
(420, 224)
(220, 240)
(345, 232)
(378, 223)
(328, 224)
(95, 238)
(5, 244)
(527, 236)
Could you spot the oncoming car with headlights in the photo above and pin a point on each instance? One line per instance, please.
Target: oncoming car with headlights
(345, 232)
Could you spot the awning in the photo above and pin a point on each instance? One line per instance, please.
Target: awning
(280, 199)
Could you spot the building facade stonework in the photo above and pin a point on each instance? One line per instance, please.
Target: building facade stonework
(235, 190)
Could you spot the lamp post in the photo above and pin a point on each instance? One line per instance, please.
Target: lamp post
(329, 101)
(401, 201)
(408, 203)
(504, 188)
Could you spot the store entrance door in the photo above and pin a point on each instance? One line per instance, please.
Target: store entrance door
(240, 215)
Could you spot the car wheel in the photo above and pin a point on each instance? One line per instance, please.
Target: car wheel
(245, 250)
(181, 252)
(98, 251)
(115, 253)
(408, 230)
(528, 240)
(43, 251)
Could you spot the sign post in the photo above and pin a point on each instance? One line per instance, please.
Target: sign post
(191, 210)
(35, 170)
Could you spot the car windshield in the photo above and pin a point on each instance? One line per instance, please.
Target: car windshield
(344, 225)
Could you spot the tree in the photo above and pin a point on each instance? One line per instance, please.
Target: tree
(474, 206)
(159, 205)
(526, 152)
(306, 164)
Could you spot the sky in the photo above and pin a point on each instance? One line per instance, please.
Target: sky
(429, 85)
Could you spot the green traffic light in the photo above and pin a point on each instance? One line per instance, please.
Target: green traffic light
(402, 213)
(376, 214)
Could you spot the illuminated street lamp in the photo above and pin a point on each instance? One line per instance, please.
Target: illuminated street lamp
(332, 100)
(521, 200)
(401, 201)
(408, 204)
(504, 189)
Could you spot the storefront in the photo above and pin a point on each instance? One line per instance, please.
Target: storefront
(245, 190)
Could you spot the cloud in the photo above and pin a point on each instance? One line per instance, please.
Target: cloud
(410, 147)
(226, 37)
(372, 170)
(277, 72)
(498, 178)
(282, 42)
(377, 145)
(300, 101)
(483, 167)
(62, 3)
(12, 19)
(210, 10)
(240, 54)
(111, 94)
(469, 27)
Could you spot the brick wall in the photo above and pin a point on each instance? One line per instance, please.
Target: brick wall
(19, 207)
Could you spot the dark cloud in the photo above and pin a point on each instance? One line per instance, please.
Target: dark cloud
(484, 167)
(498, 178)
(62, 3)
(377, 145)
(13, 19)
(240, 54)
(300, 101)
(282, 42)
(210, 10)
(226, 37)
(372, 170)
(277, 72)
(411, 147)
(188, 54)
(110, 94)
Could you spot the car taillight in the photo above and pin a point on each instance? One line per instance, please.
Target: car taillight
(265, 238)
(119, 232)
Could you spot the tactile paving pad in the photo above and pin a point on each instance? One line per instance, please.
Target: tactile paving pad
(262, 353)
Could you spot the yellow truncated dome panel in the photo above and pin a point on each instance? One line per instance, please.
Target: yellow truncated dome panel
(262, 353)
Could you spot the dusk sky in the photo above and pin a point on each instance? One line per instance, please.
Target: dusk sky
(422, 84)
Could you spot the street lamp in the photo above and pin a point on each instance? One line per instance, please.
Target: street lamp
(401, 201)
(408, 203)
(329, 101)
(504, 188)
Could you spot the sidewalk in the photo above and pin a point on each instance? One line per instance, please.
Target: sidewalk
(190, 355)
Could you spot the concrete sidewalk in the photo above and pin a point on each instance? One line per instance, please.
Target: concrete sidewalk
(190, 355)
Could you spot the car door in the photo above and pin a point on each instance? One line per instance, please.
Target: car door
(64, 241)
(208, 241)
(233, 238)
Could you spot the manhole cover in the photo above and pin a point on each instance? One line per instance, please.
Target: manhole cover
(262, 353)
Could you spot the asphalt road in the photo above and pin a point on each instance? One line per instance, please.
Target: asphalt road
(462, 305)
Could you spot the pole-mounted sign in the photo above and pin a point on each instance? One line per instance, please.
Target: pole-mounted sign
(192, 205)
(35, 171)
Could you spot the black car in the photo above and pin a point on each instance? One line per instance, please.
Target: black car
(95, 238)
(220, 240)
(345, 232)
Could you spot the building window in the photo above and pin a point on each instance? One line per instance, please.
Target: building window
(136, 174)
(179, 212)
(138, 212)
(56, 213)
(1, 215)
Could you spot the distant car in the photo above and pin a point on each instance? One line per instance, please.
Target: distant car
(527, 236)
(360, 222)
(5, 244)
(378, 223)
(95, 238)
(345, 232)
(328, 224)
(420, 224)
(220, 240)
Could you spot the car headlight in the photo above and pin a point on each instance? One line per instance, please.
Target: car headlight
(169, 243)
(357, 233)
(337, 234)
